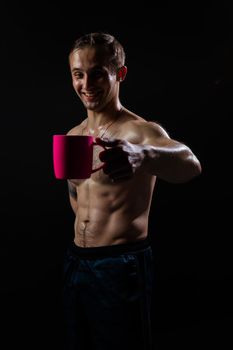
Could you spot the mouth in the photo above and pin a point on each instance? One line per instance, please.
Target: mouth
(90, 96)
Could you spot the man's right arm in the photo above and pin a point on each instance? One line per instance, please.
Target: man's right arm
(73, 196)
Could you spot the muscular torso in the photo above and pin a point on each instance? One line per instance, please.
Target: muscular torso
(112, 213)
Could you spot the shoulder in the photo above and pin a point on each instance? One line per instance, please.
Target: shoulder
(139, 130)
(154, 128)
(147, 125)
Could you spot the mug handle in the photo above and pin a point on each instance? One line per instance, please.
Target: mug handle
(101, 166)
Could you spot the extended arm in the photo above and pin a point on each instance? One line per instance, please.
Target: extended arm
(166, 158)
(152, 151)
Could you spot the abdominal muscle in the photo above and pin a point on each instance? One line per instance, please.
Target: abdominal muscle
(111, 214)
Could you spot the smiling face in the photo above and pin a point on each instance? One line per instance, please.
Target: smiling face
(94, 81)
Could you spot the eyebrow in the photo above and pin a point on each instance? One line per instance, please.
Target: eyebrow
(97, 67)
(76, 70)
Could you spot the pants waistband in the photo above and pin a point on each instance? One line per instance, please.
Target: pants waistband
(110, 250)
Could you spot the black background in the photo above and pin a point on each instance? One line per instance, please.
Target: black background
(180, 74)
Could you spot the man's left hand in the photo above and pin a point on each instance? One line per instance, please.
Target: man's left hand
(122, 158)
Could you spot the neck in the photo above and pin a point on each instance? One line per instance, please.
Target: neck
(101, 122)
(96, 119)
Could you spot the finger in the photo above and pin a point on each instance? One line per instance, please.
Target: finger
(115, 169)
(112, 154)
(120, 179)
(107, 142)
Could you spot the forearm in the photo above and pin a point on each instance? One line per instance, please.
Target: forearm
(175, 163)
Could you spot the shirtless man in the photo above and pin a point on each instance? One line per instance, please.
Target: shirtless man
(108, 271)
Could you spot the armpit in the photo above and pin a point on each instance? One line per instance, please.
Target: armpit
(72, 190)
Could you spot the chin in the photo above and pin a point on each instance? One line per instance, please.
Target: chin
(95, 107)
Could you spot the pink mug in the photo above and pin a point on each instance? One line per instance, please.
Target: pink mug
(73, 156)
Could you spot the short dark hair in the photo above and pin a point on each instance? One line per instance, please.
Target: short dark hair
(99, 39)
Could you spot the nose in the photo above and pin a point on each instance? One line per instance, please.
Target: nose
(87, 82)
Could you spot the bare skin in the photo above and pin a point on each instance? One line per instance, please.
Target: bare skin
(113, 205)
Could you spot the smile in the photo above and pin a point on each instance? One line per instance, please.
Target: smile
(90, 96)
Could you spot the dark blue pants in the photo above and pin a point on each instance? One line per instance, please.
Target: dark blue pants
(107, 297)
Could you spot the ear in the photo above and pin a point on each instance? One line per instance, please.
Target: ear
(121, 74)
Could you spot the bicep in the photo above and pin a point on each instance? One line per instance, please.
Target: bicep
(155, 135)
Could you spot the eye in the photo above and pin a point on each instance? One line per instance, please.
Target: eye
(78, 75)
(97, 74)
